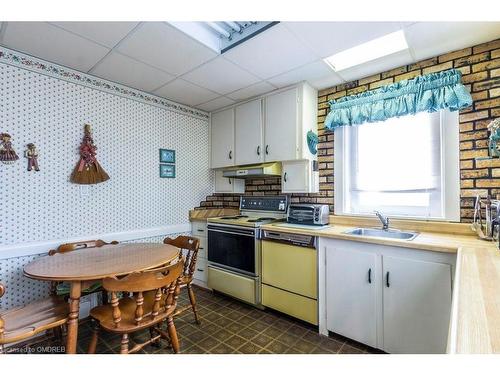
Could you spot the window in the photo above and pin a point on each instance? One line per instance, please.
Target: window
(406, 167)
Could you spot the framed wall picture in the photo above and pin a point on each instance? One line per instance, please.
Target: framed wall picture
(167, 156)
(167, 171)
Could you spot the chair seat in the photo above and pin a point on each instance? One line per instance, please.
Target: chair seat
(27, 321)
(104, 314)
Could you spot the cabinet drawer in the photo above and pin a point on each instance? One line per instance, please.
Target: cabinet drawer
(292, 304)
(203, 250)
(199, 228)
(234, 285)
(200, 272)
(289, 267)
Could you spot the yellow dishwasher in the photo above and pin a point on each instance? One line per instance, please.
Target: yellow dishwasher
(289, 274)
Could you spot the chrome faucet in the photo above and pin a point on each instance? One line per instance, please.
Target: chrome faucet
(383, 219)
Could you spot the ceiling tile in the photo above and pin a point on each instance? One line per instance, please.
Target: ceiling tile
(215, 104)
(130, 72)
(380, 65)
(185, 92)
(429, 39)
(326, 82)
(328, 38)
(165, 47)
(310, 72)
(270, 53)
(105, 33)
(51, 43)
(251, 91)
(221, 76)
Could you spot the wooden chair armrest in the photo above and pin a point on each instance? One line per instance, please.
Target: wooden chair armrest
(2, 323)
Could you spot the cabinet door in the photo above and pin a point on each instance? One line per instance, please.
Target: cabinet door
(281, 126)
(417, 305)
(295, 177)
(248, 133)
(351, 294)
(228, 185)
(222, 138)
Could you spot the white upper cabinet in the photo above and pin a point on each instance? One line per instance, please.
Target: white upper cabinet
(222, 138)
(249, 133)
(272, 128)
(289, 115)
(299, 176)
(281, 125)
(228, 185)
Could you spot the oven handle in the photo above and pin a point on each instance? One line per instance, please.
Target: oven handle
(233, 231)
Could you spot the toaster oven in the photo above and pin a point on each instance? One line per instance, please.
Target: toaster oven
(308, 214)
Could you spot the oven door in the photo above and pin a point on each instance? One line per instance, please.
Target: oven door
(233, 248)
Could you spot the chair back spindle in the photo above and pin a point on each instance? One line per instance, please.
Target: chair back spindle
(191, 246)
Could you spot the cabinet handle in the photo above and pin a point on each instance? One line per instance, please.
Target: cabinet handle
(387, 284)
(370, 276)
(285, 177)
(267, 149)
(230, 154)
(200, 248)
(199, 270)
(201, 230)
(230, 181)
(258, 150)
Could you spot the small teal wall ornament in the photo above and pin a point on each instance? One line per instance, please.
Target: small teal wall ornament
(167, 171)
(494, 141)
(312, 142)
(167, 156)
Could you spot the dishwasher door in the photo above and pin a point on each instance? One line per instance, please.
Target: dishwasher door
(289, 279)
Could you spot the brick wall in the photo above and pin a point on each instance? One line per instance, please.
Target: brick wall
(480, 67)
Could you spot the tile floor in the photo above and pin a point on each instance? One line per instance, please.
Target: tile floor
(228, 326)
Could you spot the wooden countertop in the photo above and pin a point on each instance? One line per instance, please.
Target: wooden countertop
(475, 315)
(203, 214)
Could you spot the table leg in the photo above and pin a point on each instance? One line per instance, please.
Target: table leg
(74, 310)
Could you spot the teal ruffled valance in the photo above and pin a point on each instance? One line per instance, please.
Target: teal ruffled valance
(427, 93)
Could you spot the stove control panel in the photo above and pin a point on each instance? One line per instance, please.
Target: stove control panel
(278, 203)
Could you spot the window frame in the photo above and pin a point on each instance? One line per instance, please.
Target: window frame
(450, 162)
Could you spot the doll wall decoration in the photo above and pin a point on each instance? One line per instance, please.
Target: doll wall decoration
(7, 153)
(88, 170)
(31, 154)
(494, 141)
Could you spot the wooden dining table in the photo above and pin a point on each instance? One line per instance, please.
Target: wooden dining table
(82, 268)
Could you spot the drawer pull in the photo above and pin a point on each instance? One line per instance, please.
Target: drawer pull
(201, 248)
(200, 230)
(199, 270)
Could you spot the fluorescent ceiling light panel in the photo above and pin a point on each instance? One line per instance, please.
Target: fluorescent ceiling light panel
(383, 46)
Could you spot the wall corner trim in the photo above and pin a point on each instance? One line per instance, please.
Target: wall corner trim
(43, 247)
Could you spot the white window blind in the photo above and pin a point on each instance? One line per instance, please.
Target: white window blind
(398, 166)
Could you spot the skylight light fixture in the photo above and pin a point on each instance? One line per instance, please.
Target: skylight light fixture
(383, 46)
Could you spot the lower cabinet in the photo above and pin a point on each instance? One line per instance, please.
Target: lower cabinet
(394, 299)
(352, 295)
(199, 230)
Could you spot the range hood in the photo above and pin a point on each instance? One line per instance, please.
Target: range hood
(253, 171)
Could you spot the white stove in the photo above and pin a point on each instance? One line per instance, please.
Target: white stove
(234, 246)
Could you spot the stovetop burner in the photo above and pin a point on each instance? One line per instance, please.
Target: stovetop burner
(233, 217)
(259, 219)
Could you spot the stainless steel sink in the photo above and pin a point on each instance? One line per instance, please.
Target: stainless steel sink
(383, 233)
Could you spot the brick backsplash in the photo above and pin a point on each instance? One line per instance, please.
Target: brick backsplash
(480, 67)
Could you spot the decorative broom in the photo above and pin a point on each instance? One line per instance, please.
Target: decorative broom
(88, 170)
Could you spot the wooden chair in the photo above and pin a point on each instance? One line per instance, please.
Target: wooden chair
(154, 301)
(71, 246)
(21, 323)
(190, 247)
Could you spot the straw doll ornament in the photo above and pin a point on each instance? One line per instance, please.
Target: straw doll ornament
(88, 170)
(7, 153)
